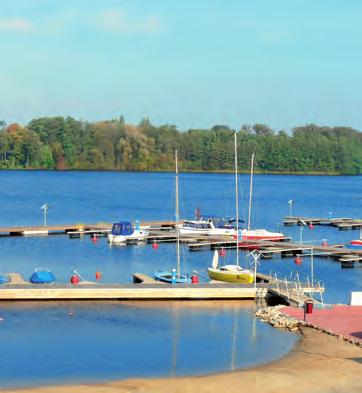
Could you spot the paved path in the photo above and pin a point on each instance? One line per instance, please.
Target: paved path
(343, 320)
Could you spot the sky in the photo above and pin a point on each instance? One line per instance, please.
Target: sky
(192, 63)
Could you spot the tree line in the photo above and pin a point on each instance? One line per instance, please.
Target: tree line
(65, 143)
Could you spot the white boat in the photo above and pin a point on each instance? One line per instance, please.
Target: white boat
(208, 227)
(124, 232)
(35, 232)
(261, 234)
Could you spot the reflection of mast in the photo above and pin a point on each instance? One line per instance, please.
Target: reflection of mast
(234, 339)
(175, 328)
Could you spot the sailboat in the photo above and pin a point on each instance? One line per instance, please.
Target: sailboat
(257, 234)
(174, 276)
(232, 273)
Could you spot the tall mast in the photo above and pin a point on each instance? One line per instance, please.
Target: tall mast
(236, 200)
(251, 189)
(177, 216)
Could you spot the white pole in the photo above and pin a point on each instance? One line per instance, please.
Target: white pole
(251, 189)
(312, 265)
(301, 234)
(236, 199)
(255, 267)
(177, 216)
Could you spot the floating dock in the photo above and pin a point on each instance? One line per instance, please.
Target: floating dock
(341, 223)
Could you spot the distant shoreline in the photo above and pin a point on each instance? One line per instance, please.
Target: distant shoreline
(241, 172)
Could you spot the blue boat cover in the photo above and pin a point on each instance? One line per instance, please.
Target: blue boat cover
(122, 228)
(42, 277)
(4, 279)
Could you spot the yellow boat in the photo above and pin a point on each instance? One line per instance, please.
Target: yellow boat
(230, 273)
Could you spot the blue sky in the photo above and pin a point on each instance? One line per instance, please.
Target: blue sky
(193, 63)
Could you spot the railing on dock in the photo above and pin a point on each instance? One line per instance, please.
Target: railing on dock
(296, 286)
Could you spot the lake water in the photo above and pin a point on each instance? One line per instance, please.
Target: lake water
(74, 342)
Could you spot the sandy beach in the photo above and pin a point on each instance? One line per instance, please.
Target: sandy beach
(318, 363)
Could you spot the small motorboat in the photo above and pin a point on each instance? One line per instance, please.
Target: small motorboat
(207, 226)
(261, 234)
(42, 276)
(355, 244)
(124, 232)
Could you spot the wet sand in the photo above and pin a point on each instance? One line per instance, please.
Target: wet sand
(318, 363)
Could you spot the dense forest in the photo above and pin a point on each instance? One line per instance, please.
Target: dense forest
(66, 143)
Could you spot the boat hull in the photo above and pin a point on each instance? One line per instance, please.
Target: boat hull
(171, 278)
(232, 277)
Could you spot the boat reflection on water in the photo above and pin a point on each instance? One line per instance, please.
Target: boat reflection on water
(121, 340)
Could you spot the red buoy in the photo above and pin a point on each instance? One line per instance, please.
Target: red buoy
(98, 275)
(194, 279)
(325, 243)
(74, 279)
(222, 252)
(311, 226)
(94, 238)
(155, 245)
(298, 260)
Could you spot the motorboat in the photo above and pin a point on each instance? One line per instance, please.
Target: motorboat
(261, 234)
(42, 276)
(356, 244)
(124, 232)
(209, 227)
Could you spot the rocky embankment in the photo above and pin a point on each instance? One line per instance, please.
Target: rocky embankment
(276, 318)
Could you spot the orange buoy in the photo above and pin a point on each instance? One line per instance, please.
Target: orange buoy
(74, 279)
(325, 243)
(222, 252)
(98, 275)
(155, 245)
(298, 260)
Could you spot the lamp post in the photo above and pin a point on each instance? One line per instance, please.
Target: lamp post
(290, 203)
(45, 211)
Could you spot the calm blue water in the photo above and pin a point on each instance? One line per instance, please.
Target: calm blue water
(84, 343)
(110, 331)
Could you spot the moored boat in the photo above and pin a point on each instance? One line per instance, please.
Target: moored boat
(42, 276)
(174, 276)
(210, 227)
(233, 273)
(171, 277)
(261, 234)
(123, 232)
(229, 273)
(355, 244)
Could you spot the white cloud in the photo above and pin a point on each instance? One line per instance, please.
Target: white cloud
(117, 21)
(18, 24)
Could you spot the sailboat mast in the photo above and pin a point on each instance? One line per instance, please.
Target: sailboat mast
(177, 217)
(251, 190)
(236, 200)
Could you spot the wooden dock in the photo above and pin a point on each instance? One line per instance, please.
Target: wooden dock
(76, 228)
(149, 291)
(341, 223)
